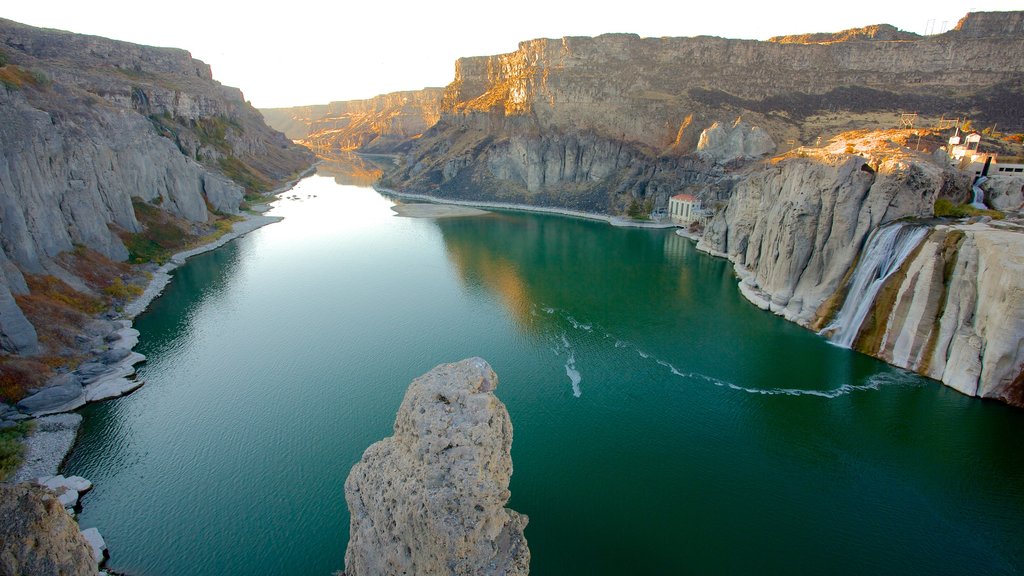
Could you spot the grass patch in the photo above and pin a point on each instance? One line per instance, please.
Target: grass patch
(161, 236)
(15, 77)
(241, 173)
(12, 449)
(57, 291)
(945, 208)
(213, 131)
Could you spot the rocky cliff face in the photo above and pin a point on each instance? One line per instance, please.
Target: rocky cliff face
(38, 537)
(798, 229)
(795, 227)
(590, 122)
(382, 124)
(90, 125)
(430, 499)
(955, 311)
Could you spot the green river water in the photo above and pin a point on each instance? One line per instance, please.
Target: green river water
(663, 425)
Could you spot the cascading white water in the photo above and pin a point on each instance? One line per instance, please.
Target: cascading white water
(886, 250)
(979, 194)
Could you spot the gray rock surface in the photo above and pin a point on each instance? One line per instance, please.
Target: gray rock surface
(795, 228)
(430, 499)
(17, 334)
(1005, 192)
(957, 312)
(96, 543)
(64, 394)
(739, 142)
(38, 537)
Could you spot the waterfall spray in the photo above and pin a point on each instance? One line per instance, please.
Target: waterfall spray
(885, 252)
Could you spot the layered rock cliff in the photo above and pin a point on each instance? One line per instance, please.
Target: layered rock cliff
(383, 124)
(795, 226)
(595, 122)
(94, 130)
(430, 499)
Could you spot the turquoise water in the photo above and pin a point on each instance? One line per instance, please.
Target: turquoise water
(663, 425)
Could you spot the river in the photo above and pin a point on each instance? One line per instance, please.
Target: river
(663, 425)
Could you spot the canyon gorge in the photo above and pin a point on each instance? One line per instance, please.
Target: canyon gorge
(785, 140)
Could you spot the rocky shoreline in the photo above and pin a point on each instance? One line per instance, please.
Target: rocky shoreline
(107, 376)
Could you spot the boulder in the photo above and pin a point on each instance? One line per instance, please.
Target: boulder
(39, 537)
(65, 394)
(430, 499)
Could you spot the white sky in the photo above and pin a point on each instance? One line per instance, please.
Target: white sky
(311, 52)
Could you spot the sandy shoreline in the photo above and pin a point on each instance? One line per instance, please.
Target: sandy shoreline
(613, 220)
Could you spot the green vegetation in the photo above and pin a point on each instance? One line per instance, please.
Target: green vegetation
(240, 172)
(944, 208)
(11, 448)
(161, 236)
(213, 132)
(15, 77)
(3, 59)
(119, 291)
(56, 291)
(638, 210)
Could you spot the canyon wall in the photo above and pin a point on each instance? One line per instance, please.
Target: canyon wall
(383, 124)
(595, 123)
(430, 499)
(798, 228)
(955, 311)
(90, 125)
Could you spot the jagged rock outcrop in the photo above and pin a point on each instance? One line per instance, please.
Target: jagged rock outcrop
(430, 499)
(955, 312)
(738, 142)
(795, 228)
(1005, 192)
(38, 537)
(89, 125)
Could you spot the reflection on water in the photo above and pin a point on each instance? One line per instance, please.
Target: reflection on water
(349, 169)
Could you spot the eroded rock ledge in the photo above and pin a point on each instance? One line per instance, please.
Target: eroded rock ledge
(430, 499)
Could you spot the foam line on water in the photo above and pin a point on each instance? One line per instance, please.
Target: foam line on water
(562, 343)
(574, 375)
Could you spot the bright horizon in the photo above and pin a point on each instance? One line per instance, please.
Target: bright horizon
(314, 52)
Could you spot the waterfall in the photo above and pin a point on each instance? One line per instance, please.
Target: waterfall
(886, 250)
(979, 194)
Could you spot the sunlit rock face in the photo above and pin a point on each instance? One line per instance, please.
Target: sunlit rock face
(38, 536)
(383, 124)
(87, 125)
(953, 310)
(593, 123)
(956, 312)
(795, 227)
(430, 498)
